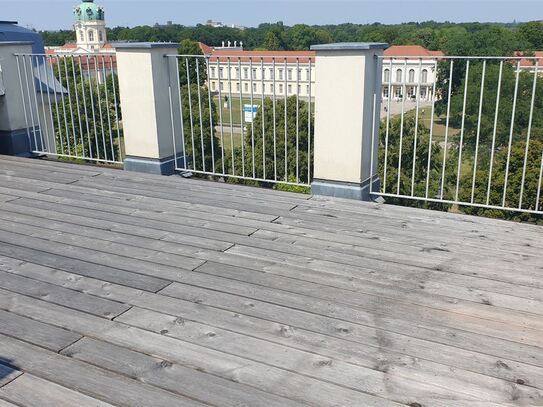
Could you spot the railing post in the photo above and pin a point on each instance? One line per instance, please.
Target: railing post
(348, 85)
(144, 86)
(15, 128)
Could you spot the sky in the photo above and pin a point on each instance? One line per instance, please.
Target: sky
(57, 14)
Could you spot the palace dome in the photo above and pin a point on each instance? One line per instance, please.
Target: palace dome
(88, 11)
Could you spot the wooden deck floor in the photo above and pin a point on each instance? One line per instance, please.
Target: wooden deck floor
(132, 290)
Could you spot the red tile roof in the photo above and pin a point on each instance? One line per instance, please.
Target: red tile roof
(530, 61)
(236, 55)
(411, 51)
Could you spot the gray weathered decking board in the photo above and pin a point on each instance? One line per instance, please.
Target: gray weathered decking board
(341, 302)
(296, 336)
(31, 391)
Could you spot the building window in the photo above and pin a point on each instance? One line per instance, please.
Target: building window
(299, 89)
(237, 86)
(81, 35)
(101, 36)
(307, 74)
(91, 35)
(307, 89)
(213, 86)
(423, 93)
(213, 72)
(253, 72)
(280, 88)
(387, 75)
(254, 87)
(290, 89)
(424, 76)
(246, 87)
(280, 74)
(397, 92)
(385, 92)
(245, 73)
(289, 74)
(221, 72)
(271, 87)
(411, 76)
(222, 86)
(271, 73)
(399, 75)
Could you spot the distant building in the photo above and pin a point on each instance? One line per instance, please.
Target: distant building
(255, 70)
(91, 46)
(417, 70)
(235, 71)
(218, 24)
(528, 64)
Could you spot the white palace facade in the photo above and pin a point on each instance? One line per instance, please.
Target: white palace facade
(233, 70)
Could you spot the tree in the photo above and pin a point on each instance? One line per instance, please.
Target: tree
(271, 42)
(266, 152)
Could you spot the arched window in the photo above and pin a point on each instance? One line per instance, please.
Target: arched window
(101, 36)
(399, 75)
(411, 76)
(91, 35)
(81, 35)
(387, 75)
(425, 76)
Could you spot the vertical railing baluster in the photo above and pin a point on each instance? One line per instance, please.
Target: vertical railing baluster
(274, 125)
(462, 126)
(528, 135)
(512, 129)
(99, 92)
(404, 78)
(78, 110)
(211, 125)
(27, 125)
(446, 142)
(83, 95)
(493, 146)
(108, 110)
(63, 108)
(181, 115)
(50, 106)
(387, 131)
(416, 129)
(220, 116)
(477, 137)
(252, 120)
(241, 118)
(285, 73)
(32, 73)
(230, 106)
(297, 120)
(200, 114)
(309, 124)
(263, 117)
(429, 160)
(71, 111)
(43, 107)
(93, 110)
(190, 114)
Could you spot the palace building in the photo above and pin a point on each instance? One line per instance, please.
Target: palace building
(91, 39)
(235, 71)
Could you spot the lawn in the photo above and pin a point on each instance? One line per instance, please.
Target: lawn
(236, 107)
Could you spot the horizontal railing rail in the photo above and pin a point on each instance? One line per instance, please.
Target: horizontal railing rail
(470, 134)
(71, 106)
(243, 117)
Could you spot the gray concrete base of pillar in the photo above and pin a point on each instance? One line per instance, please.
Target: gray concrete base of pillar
(347, 190)
(163, 166)
(15, 142)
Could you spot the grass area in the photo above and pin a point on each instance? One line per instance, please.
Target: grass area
(228, 138)
(236, 107)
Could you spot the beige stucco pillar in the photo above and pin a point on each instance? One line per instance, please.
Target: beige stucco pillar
(145, 76)
(348, 83)
(14, 125)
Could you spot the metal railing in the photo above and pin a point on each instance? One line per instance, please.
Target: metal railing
(472, 136)
(243, 117)
(71, 106)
